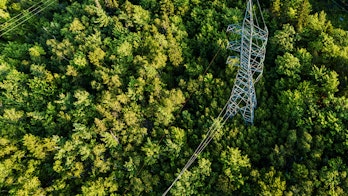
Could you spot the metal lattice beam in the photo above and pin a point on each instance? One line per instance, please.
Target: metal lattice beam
(252, 49)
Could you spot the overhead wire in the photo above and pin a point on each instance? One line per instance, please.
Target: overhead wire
(263, 19)
(218, 123)
(182, 107)
(210, 134)
(213, 130)
(34, 12)
(20, 14)
(343, 8)
(255, 19)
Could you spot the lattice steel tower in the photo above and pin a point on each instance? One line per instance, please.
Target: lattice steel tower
(252, 49)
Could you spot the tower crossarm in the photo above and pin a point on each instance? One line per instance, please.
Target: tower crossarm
(237, 29)
(234, 46)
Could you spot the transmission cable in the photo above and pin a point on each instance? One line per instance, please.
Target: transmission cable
(225, 113)
(213, 130)
(263, 19)
(26, 19)
(182, 107)
(31, 12)
(20, 14)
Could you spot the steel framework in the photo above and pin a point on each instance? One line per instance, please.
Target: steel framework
(252, 49)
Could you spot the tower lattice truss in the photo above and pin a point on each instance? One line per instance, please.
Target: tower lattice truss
(252, 49)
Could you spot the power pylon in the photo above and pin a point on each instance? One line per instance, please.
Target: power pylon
(252, 49)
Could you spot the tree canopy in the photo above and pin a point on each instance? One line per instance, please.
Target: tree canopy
(112, 97)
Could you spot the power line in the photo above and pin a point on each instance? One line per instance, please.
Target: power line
(19, 15)
(218, 123)
(344, 9)
(182, 107)
(34, 12)
(252, 49)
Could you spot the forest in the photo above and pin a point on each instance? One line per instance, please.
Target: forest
(112, 97)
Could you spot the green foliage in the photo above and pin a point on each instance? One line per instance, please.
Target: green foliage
(271, 183)
(233, 165)
(111, 98)
(284, 39)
